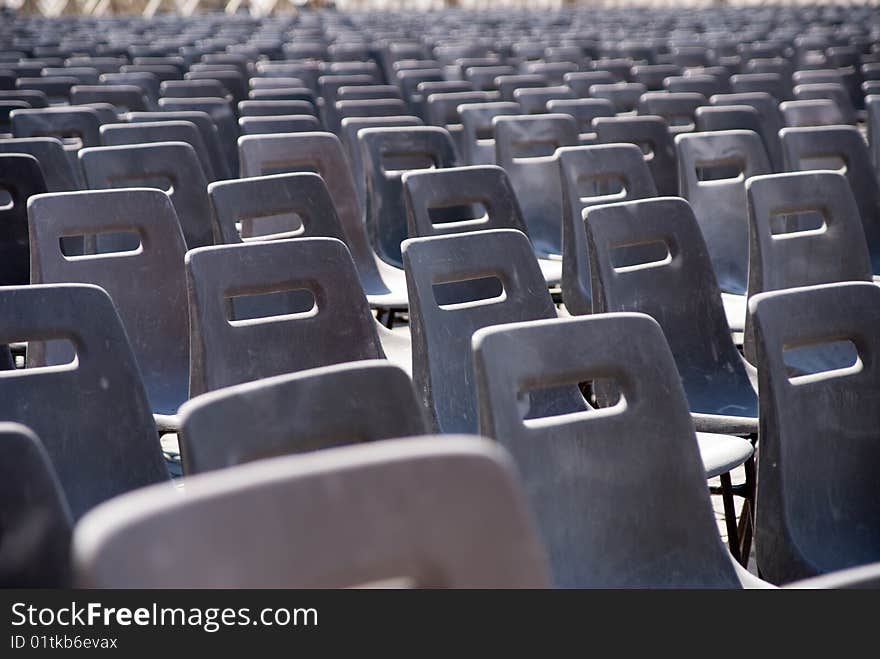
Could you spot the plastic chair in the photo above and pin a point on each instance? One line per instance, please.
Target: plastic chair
(21, 178)
(107, 443)
(144, 276)
(285, 123)
(348, 133)
(615, 488)
(833, 147)
(221, 114)
(651, 135)
(677, 109)
(833, 92)
(322, 153)
(160, 131)
(472, 530)
(771, 120)
(534, 100)
(35, 546)
(623, 95)
(811, 490)
(594, 175)
(483, 189)
(171, 166)
(387, 153)
(786, 250)
(273, 108)
(202, 121)
(584, 110)
(525, 147)
(298, 413)
(818, 112)
(57, 171)
(478, 135)
(441, 333)
(720, 206)
(125, 98)
(231, 313)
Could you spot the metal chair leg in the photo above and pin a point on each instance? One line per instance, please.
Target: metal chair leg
(730, 516)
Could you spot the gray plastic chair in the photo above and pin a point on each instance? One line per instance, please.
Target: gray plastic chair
(387, 153)
(441, 333)
(767, 83)
(221, 114)
(21, 178)
(705, 85)
(594, 175)
(274, 108)
(789, 252)
(322, 153)
(202, 121)
(720, 205)
(348, 132)
(285, 123)
(623, 95)
(60, 122)
(533, 100)
(6, 108)
(478, 134)
(366, 92)
(160, 131)
(125, 98)
(584, 110)
(814, 112)
(34, 516)
(484, 189)
(193, 89)
(713, 118)
(390, 107)
(836, 93)
(169, 166)
(106, 443)
(652, 76)
(277, 206)
(818, 504)
(227, 350)
(618, 493)
(56, 88)
(65, 123)
(297, 413)
(679, 291)
(771, 120)
(581, 81)
(507, 85)
(525, 147)
(652, 135)
(342, 517)
(329, 86)
(32, 97)
(147, 82)
(676, 108)
(58, 173)
(833, 147)
(146, 285)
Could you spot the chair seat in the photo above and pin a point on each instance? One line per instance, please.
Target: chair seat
(722, 453)
(552, 270)
(395, 280)
(735, 310)
(397, 345)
